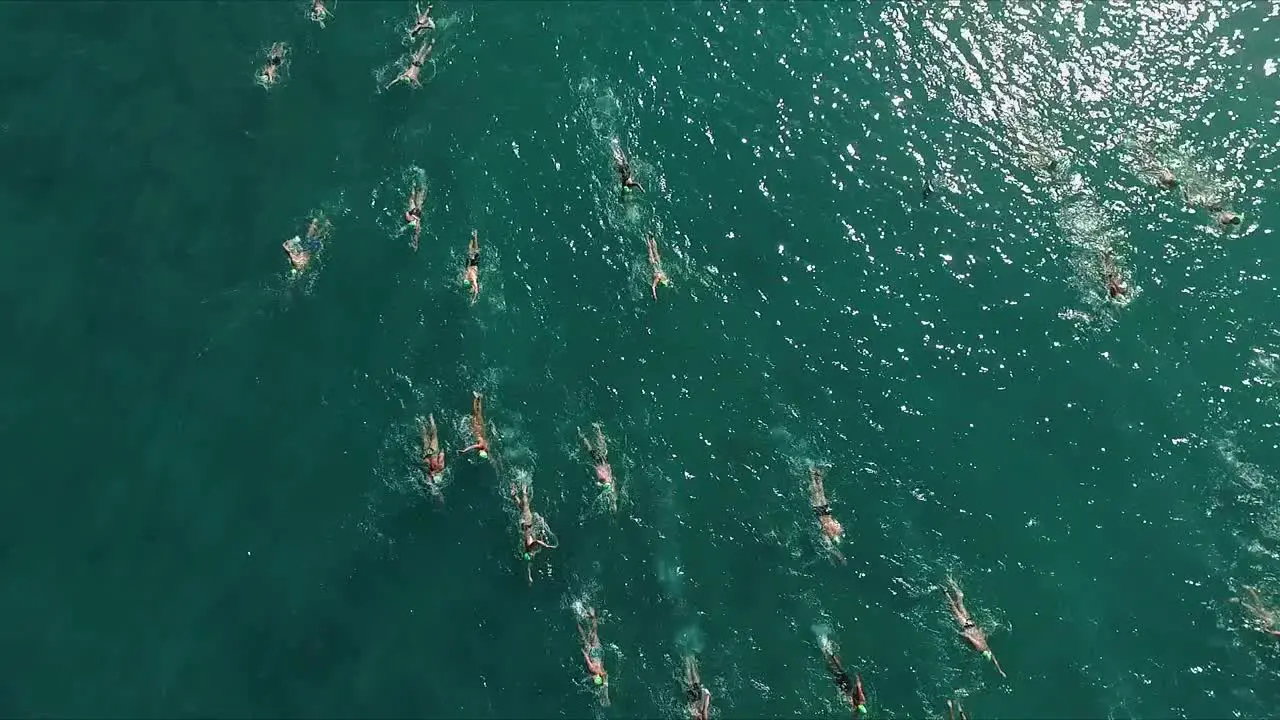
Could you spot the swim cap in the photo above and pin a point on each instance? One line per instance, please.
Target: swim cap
(527, 556)
(599, 680)
(862, 709)
(484, 454)
(986, 654)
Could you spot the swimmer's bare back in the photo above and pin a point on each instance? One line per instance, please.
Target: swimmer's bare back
(320, 13)
(472, 271)
(270, 73)
(422, 22)
(481, 443)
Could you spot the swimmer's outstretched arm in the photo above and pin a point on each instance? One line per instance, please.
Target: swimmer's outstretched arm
(839, 556)
(997, 664)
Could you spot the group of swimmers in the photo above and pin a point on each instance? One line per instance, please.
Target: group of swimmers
(1166, 180)
(271, 71)
(536, 536)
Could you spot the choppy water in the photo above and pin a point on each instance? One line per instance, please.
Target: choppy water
(882, 222)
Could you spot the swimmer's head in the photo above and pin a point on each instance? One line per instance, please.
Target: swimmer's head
(484, 454)
(862, 709)
(987, 654)
(1229, 218)
(527, 556)
(599, 680)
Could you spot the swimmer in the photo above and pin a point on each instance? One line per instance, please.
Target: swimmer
(1111, 276)
(832, 532)
(851, 689)
(270, 73)
(1228, 218)
(423, 22)
(477, 426)
(472, 273)
(655, 263)
(623, 168)
(955, 709)
(698, 696)
(319, 13)
(1164, 177)
(413, 216)
(1263, 617)
(432, 456)
(973, 635)
(530, 542)
(593, 653)
(301, 251)
(599, 453)
(410, 74)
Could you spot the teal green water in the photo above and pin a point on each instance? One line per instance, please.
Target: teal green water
(210, 507)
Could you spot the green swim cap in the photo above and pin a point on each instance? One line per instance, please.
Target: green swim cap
(484, 454)
(599, 680)
(986, 654)
(527, 556)
(862, 709)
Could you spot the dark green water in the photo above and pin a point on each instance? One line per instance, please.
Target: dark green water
(209, 508)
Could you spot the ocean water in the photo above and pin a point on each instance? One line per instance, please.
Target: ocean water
(882, 223)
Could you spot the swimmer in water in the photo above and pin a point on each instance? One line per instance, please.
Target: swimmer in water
(851, 689)
(972, 635)
(1228, 218)
(319, 13)
(270, 73)
(472, 273)
(832, 532)
(1263, 617)
(955, 709)
(1111, 276)
(623, 168)
(530, 533)
(411, 73)
(1164, 177)
(432, 456)
(423, 22)
(301, 251)
(593, 653)
(697, 695)
(477, 426)
(599, 453)
(655, 263)
(413, 216)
